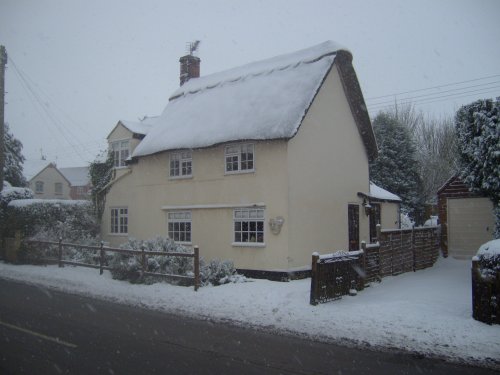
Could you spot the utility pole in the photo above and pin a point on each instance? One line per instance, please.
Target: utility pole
(3, 61)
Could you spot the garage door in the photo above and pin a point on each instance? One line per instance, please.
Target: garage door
(470, 224)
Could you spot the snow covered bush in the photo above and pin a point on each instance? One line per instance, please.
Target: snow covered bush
(7, 195)
(489, 258)
(218, 272)
(128, 267)
(49, 219)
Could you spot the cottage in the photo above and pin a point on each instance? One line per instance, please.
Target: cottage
(261, 164)
(50, 183)
(466, 219)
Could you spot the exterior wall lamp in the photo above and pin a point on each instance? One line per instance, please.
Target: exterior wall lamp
(367, 207)
(276, 224)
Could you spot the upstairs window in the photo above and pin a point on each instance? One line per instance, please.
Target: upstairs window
(179, 226)
(119, 220)
(239, 158)
(58, 188)
(39, 187)
(181, 164)
(121, 152)
(248, 225)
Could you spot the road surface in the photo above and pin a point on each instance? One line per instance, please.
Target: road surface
(48, 332)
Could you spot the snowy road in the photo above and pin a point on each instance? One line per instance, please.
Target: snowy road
(44, 331)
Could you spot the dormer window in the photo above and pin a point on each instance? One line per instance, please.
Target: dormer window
(181, 164)
(121, 151)
(239, 158)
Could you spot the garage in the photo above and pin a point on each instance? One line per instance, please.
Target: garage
(470, 224)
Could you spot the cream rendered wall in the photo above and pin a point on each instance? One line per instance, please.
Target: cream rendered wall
(121, 133)
(389, 215)
(328, 166)
(147, 188)
(50, 176)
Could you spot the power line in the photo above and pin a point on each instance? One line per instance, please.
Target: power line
(433, 87)
(62, 130)
(434, 98)
(445, 91)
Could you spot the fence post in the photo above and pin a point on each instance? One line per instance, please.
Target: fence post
(196, 268)
(413, 250)
(314, 279)
(143, 259)
(101, 258)
(363, 264)
(59, 255)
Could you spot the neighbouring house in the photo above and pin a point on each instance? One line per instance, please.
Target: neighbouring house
(79, 180)
(60, 183)
(466, 219)
(50, 183)
(261, 164)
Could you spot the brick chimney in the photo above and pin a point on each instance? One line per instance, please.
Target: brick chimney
(190, 68)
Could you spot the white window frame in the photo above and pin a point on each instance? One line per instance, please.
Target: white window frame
(236, 158)
(181, 164)
(119, 220)
(121, 152)
(249, 227)
(39, 187)
(58, 188)
(180, 226)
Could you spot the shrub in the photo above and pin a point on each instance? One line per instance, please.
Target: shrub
(489, 258)
(49, 219)
(127, 267)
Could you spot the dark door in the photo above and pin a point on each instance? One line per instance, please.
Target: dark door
(353, 218)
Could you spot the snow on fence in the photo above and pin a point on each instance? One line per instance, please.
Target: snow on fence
(142, 253)
(396, 251)
(485, 295)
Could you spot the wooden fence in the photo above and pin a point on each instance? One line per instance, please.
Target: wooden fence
(335, 275)
(396, 251)
(401, 250)
(485, 296)
(143, 254)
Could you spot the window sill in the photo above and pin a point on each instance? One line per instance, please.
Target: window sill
(180, 177)
(239, 172)
(248, 244)
(119, 234)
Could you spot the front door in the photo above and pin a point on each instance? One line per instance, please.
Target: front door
(353, 219)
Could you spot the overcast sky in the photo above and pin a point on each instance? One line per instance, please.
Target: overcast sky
(77, 67)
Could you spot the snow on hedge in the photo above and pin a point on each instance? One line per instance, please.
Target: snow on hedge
(489, 249)
(60, 202)
(258, 101)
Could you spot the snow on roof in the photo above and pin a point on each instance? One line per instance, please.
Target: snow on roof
(77, 176)
(378, 193)
(140, 127)
(261, 100)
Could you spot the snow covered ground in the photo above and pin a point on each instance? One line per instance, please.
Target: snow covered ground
(428, 311)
